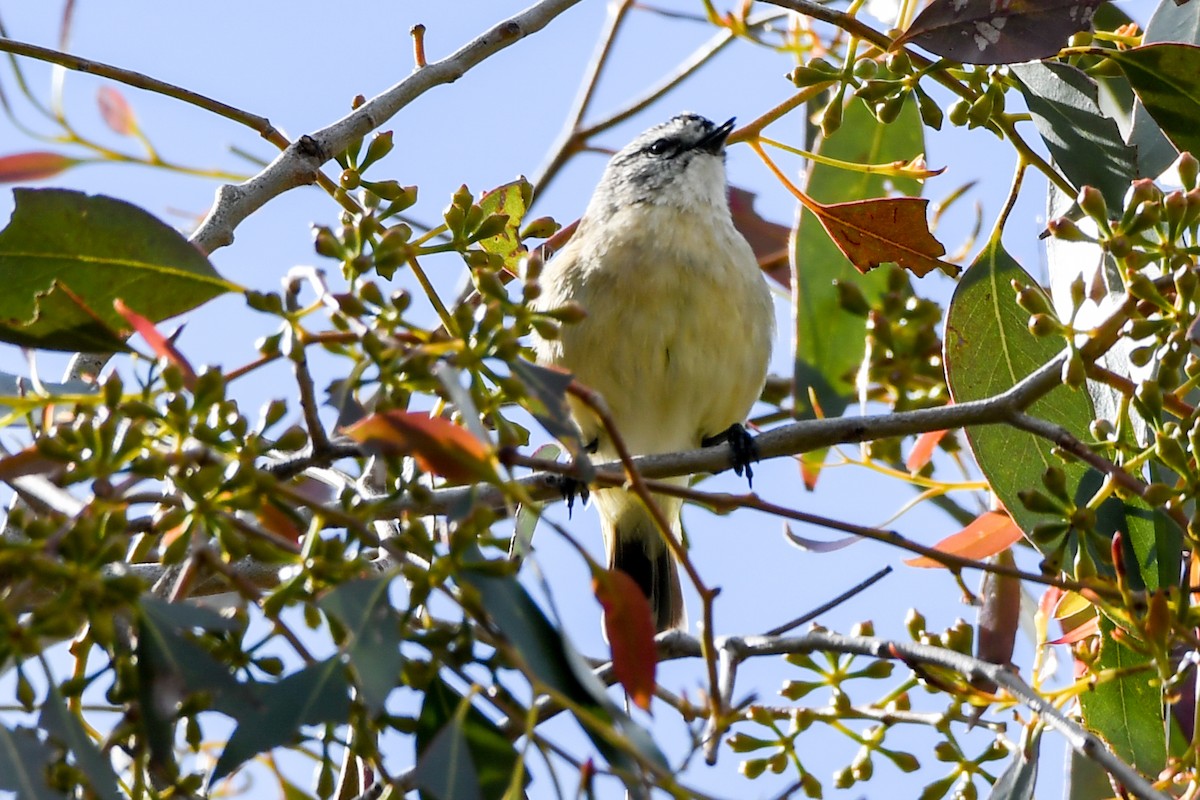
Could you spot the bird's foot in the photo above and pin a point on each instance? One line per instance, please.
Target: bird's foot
(570, 488)
(743, 449)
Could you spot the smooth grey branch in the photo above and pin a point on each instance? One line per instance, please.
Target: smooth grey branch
(680, 645)
(298, 164)
(786, 440)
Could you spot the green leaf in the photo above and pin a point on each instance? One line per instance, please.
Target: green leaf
(552, 661)
(1127, 711)
(1086, 145)
(988, 349)
(829, 339)
(170, 666)
(182, 616)
(373, 636)
(1166, 78)
(1170, 22)
(445, 770)
(65, 256)
(546, 399)
(67, 729)
(491, 755)
(508, 199)
(1019, 778)
(22, 758)
(315, 695)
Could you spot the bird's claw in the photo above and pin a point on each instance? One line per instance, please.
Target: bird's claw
(742, 448)
(570, 488)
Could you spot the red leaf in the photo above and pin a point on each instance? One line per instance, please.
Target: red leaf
(115, 110)
(769, 240)
(629, 625)
(881, 230)
(990, 533)
(34, 166)
(440, 446)
(922, 451)
(998, 31)
(161, 346)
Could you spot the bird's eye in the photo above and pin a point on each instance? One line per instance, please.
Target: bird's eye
(659, 147)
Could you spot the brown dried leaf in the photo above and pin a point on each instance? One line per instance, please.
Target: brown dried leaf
(881, 230)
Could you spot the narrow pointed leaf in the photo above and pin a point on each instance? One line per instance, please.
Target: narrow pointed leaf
(65, 256)
(992, 532)
(163, 347)
(33, 166)
(988, 349)
(1127, 710)
(116, 111)
(493, 757)
(67, 729)
(829, 338)
(629, 624)
(922, 451)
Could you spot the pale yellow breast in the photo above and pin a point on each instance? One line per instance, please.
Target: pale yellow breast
(679, 324)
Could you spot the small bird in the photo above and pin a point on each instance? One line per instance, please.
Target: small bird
(677, 333)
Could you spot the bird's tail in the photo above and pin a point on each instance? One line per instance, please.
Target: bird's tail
(636, 547)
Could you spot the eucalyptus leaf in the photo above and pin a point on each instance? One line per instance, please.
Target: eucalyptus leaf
(373, 636)
(830, 339)
(66, 256)
(1086, 145)
(315, 695)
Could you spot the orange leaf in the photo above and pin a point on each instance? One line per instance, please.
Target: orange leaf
(440, 446)
(768, 240)
(277, 521)
(630, 629)
(35, 166)
(161, 345)
(876, 231)
(115, 110)
(990, 533)
(1079, 632)
(922, 451)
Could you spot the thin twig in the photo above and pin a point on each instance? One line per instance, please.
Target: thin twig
(300, 162)
(834, 603)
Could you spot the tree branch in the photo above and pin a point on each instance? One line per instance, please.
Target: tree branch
(786, 440)
(299, 163)
(681, 645)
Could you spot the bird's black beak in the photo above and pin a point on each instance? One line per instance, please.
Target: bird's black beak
(714, 141)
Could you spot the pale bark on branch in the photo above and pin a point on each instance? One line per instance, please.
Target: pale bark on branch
(298, 164)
